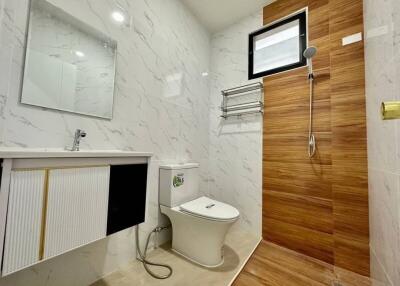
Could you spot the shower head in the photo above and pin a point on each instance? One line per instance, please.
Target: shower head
(310, 52)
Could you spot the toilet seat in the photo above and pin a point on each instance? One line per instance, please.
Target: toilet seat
(210, 209)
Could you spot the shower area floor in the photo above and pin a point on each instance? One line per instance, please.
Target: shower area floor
(272, 265)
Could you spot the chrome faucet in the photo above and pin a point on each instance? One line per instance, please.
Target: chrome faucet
(79, 134)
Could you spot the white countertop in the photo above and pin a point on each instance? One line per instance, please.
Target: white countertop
(25, 153)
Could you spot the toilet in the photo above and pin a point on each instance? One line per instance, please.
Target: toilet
(199, 224)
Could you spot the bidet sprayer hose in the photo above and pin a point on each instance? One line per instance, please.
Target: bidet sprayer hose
(142, 257)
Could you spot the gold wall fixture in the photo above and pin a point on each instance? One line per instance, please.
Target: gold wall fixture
(390, 110)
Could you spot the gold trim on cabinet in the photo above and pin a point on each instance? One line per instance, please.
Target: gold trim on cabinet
(44, 214)
(46, 196)
(390, 110)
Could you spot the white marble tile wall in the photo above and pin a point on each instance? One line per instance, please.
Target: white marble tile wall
(5, 59)
(382, 28)
(235, 144)
(161, 105)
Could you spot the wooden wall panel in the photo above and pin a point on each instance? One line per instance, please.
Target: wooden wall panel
(297, 191)
(349, 145)
(319, 206)
(302, 239)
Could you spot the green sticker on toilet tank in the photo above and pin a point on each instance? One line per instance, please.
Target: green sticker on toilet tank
(178, 180)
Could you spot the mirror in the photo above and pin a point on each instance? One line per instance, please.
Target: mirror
(69, 65)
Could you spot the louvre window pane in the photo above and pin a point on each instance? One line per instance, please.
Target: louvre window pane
(278, 48)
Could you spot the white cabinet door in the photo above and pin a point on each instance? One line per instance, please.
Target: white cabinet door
(24, 219)
(77, 208)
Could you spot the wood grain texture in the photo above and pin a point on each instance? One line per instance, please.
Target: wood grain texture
(297, 191)
(304, 211)
(271, 265)
(319, 206)
(349, 145)
(301, 239)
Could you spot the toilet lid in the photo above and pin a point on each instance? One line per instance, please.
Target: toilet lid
(209, 208)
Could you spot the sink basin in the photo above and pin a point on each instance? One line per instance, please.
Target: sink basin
(7, 153)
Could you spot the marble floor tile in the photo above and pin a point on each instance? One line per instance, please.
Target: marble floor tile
(239, 245)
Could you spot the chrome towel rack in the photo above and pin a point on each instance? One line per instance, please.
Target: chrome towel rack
(254, 103)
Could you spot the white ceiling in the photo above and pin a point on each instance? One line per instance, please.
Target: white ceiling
(216, 15)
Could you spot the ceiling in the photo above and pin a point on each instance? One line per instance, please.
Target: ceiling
(216, 15)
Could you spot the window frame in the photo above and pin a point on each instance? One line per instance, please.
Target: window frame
(302, 18)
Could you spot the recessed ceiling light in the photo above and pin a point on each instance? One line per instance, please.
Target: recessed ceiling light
(79, 54)
(118, 16)
(204, 74)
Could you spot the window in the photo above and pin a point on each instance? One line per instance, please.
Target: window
(278, 47)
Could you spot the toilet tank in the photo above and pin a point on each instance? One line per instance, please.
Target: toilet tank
(178, 184)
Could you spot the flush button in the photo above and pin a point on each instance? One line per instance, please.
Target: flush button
(178, 180)
(210, 206)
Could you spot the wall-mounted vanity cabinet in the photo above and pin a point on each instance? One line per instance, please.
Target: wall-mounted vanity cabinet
(53, 202)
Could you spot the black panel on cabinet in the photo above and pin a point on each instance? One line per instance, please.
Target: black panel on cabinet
(127, 198)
